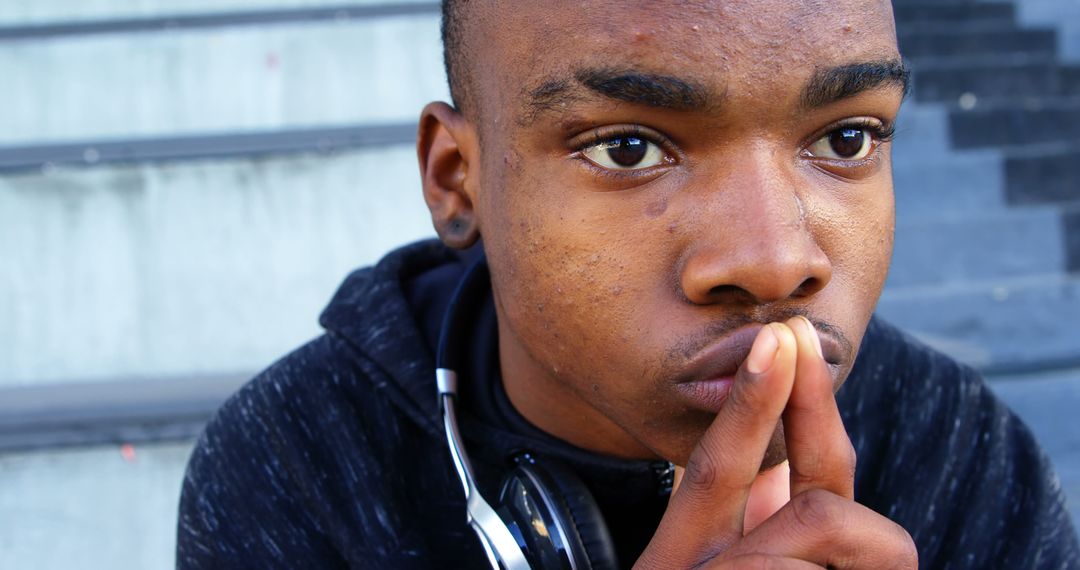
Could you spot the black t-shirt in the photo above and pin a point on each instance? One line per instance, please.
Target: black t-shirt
(335, 456)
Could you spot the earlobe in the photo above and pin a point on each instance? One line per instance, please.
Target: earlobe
(444, 145)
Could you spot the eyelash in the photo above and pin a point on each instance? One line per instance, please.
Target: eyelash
(881, 132)
(603, 135)
(599, 136)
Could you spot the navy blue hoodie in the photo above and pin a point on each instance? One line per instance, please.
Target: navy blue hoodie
(334, 457)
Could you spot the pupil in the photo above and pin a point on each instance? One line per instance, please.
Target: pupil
(847, 142)
(627, 151)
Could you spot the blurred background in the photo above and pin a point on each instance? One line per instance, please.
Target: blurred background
(184, 183)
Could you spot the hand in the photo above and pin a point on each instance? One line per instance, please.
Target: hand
(784, 379)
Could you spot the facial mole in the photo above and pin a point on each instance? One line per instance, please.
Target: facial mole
(847, 27)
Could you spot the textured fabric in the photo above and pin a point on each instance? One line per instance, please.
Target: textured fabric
(334, 456)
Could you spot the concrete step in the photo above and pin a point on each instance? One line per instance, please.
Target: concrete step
(1057, 122)
(1001, 326)
(979, 247)
(46, 12)
(1063, 15)
(909, 14)
(1071, 221)
(168, 84)
(922, 133)
(972, 85)
(104, 267)
(1047, 178)
(917, 45)
(949, 187)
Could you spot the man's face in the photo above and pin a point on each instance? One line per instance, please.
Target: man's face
(658, 180)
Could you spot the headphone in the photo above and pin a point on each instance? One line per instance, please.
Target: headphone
(545, 517)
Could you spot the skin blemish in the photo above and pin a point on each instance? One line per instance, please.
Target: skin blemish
(656, 208)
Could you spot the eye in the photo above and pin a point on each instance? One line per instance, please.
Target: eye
(844, 143)
(625, 152)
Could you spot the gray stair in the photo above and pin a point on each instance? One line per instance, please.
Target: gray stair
(1051, 122)
(946, 43)
(995, 82)
(947, 187)
(286, 76)
(1043, 178)
(910, 14)
(1014, 325)
(981, 247)
(986, 167)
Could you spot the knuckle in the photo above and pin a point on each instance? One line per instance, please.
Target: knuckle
(701, 471)
(818, 511)
(705, 475)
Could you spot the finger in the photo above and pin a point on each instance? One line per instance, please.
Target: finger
(769, 493)
(763, 562)
(705, 515)
(818, 446)
(823, 528)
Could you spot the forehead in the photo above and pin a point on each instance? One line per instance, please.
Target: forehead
(750, 45)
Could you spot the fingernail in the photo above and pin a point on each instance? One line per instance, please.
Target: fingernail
(763, 352)
(813, 333)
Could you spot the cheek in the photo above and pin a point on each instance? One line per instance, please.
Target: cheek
(858, 237)
(568, 276)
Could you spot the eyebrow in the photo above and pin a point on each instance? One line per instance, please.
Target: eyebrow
(826, 86)
(650, 89)
(833, 84)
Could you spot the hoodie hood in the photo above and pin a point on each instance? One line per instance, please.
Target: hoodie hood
(371, 313)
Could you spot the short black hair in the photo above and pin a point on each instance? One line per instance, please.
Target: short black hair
(454, 46)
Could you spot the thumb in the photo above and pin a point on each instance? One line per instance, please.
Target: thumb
(770, 491)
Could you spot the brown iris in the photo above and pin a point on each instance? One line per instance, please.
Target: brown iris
(627, 151)
(847, 143)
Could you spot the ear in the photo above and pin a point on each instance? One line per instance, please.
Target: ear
(447, 149)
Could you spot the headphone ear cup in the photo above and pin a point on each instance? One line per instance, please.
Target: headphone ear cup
(568, 506)
(588, 521)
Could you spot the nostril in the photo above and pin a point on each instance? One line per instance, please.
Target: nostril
(730, 294)
(809, 287)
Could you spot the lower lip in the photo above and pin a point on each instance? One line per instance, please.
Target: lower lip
(708, 395)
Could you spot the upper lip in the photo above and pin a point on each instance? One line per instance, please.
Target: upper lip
(722, 358)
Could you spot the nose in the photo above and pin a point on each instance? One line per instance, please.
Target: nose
(756, 244)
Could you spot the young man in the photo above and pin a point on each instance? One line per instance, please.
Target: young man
(686, 212)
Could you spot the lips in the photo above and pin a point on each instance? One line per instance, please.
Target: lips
(706, 382)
